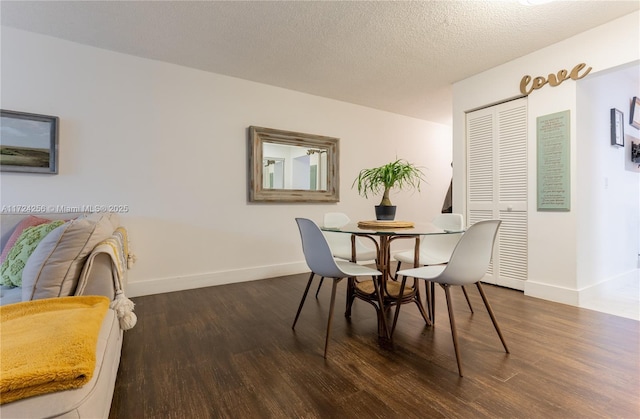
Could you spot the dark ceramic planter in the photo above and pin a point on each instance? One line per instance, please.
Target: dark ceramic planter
(385, 212)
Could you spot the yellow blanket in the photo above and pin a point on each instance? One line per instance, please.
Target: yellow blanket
(48, 345)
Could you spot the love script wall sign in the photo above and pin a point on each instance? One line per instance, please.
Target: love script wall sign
(528, 85)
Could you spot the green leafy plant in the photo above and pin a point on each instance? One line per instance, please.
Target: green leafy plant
(398, 174)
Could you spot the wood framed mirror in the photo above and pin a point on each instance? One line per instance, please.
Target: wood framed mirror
(288, 166)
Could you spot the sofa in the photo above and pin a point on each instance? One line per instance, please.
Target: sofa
(75, 259)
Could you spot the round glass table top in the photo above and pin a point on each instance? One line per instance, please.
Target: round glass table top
(418, 229)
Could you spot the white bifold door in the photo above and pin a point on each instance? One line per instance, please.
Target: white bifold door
(497, 185)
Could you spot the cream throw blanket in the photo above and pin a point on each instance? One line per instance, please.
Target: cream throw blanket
(117, 247)
(48, 345)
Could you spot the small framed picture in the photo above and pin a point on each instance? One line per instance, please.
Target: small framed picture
(634, 115)
(28, 142)
(635, 152)
(617, 127)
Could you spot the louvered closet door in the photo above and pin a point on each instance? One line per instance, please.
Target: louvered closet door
(497, 185)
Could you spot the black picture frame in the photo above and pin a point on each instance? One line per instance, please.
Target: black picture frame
(634, 113)
(635, 152)
(617, 127)
(28, 142)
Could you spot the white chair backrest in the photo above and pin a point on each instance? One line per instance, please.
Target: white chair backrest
(472, 255)
(337, 240)
(439, 247)
(335, 219)
(452, 222)
(316, 250)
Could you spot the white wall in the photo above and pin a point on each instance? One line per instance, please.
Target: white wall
(171, 143)
(609, 218)
(553, 236)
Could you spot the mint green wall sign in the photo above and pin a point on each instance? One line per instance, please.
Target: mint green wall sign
(554, 166)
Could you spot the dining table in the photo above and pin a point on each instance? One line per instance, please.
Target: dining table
(382, 234)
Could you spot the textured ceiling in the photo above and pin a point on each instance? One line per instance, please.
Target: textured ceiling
(400, 57)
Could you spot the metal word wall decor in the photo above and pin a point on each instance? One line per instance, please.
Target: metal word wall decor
(528, 85)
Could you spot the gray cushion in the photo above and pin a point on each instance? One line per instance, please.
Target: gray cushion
(54, 267)
(10, 295)
(25, 245)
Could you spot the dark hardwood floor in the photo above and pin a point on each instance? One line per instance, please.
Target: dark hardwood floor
(229, 352)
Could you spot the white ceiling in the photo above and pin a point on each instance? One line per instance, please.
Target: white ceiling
(400, 57)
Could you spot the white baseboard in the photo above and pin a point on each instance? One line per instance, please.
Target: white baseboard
(575, 296)
(515, 284)
(551, 292)
(606, 286)
(162, 285)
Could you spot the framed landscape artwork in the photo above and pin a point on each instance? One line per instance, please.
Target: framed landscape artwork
(28, 142)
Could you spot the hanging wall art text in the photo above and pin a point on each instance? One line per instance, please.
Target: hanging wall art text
(528, 84)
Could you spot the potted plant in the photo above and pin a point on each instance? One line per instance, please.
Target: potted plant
(398, 174)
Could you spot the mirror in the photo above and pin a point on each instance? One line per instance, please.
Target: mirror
(273, 173)
(292, 167)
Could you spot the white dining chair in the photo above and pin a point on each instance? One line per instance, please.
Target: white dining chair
(340, 243)
(318, 257)
(436, 249)
(468, 265)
